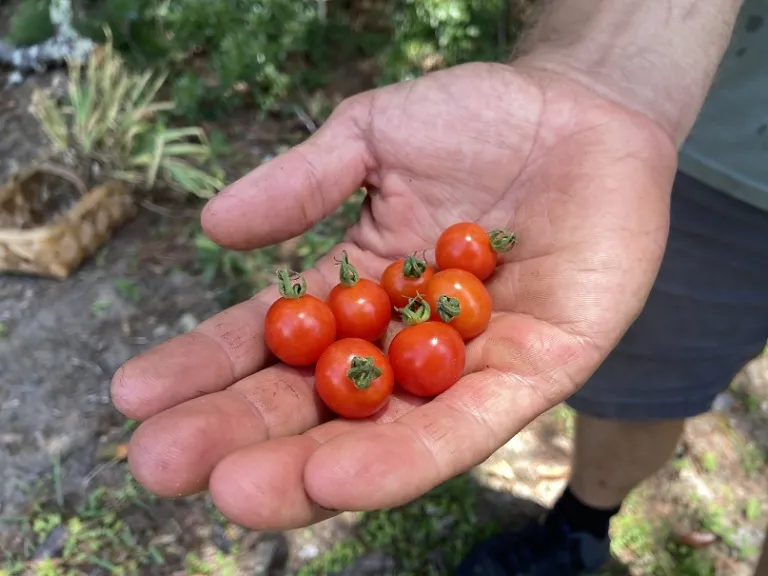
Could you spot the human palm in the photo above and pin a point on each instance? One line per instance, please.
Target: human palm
(583, 181)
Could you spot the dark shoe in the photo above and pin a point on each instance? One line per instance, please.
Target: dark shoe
(548, 549)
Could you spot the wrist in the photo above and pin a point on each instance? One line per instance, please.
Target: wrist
(675, 120)
(653, 57)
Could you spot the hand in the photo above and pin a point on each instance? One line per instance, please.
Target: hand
(583, 181)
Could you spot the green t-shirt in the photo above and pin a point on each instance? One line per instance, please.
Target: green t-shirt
(728, 146)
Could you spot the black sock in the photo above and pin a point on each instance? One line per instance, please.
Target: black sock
(582, 518)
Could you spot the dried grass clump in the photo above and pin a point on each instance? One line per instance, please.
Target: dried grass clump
(108, 121)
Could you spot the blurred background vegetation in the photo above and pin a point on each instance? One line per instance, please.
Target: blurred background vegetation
(263, 54)
(277, 60)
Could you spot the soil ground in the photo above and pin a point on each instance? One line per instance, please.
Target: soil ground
(68, 504)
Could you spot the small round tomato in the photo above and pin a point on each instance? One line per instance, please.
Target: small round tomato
(467, 303)
(406, 278)
(361, 307)
(469, 247)
(298, 327)
(427, 358)
(354, 378)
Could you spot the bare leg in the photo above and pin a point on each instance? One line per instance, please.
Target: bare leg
(612, 457)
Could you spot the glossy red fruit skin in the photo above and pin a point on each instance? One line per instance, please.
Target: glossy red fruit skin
(473, 296)
(361, 311)
(298, 330)
(427, 358)
(399, 287)
(339, 393)
(466, 246)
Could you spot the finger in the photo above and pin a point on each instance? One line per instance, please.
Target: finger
(174, 452)
(287, 195)
(395, 463)
(217, 353)
(261, 486)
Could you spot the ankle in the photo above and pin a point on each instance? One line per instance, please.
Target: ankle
(581, 517)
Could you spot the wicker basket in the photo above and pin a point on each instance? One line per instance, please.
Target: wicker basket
(58, 247)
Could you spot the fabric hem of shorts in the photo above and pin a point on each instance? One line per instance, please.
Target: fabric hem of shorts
(688, 408)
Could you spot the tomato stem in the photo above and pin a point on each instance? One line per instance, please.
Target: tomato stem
(286, 285)
(448, 308)
(502, 240)
(363, 372)
(416, 311)
(414, 267)
(348, 275)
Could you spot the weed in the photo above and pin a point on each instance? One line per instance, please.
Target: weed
(632, 534)
(681, 560)
(427, 536)
(681, 463)
(97, 534)
(751, 403)
(100, 308)
(752, 509)
(709, 462)
(752, 458)
(566, 417)
(5, 331)
(128, 289)
(220, 565)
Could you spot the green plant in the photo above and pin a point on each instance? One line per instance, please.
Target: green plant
(100, 308)
(249, 49)
(709, 462)
(30, 23)
(128, 289)
(752, 458)
(436, 33)
(111, 116)
(752, 509)
(414, 534)
(679, 560)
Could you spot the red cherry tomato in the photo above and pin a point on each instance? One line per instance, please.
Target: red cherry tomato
(427, 358)
(298, 327)
(354, 378)
(406, 278)
(462, 288)
(469, 247)
(361, 307)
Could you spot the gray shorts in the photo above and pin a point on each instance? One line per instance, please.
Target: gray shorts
(706, 316)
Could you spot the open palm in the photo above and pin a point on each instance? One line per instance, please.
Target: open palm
(583, 182)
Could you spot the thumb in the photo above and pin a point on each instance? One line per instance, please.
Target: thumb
(289, 194)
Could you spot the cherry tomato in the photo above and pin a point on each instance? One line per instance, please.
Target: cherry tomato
(354, 378)
(427, 358)
(467, 299)
(405, 279)
(298, 327)
(361, 307)
(469, 247)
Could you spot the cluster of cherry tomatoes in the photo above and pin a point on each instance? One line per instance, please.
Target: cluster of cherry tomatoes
(441, 310)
